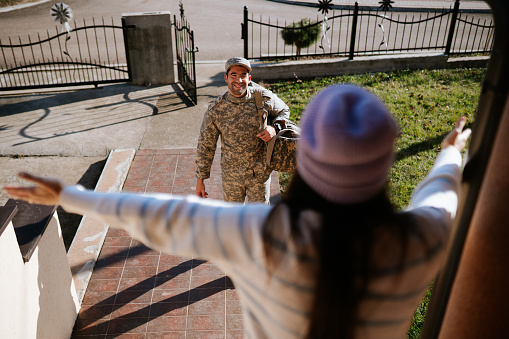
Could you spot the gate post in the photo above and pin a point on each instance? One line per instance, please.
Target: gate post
(149, 45)
(244, 34)
(354, 30)
(453, 26)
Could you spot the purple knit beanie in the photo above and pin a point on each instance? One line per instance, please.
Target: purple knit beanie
(346, 146)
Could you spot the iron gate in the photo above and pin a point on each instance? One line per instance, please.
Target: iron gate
(185, 50)
(87, 55)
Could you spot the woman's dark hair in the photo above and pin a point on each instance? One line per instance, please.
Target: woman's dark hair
(344, 243)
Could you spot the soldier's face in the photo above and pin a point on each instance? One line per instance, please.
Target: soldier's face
(237, 79)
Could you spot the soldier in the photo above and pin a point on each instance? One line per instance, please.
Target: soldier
(234, 117)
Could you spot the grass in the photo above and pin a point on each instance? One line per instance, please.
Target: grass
(425, 103)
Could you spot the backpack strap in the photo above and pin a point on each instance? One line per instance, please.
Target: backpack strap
(262, 113)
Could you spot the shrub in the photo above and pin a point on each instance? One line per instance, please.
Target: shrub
(302, 34)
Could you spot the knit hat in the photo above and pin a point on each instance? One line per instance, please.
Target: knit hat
(346, 146)
(237, 61)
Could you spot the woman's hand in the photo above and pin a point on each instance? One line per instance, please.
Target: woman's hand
(457, 137)
(45, 192)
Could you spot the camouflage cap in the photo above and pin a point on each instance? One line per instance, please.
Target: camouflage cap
(237, 61)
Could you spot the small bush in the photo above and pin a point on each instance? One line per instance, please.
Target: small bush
(302, 34)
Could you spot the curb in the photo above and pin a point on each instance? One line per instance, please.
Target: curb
(89, 239)
(15, 7)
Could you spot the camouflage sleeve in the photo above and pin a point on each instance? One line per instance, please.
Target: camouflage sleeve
(207, 141)
(277, 109)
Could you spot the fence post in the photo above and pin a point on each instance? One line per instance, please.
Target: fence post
(244, 34)
(453, 26)
(126, 46)
(354, 30)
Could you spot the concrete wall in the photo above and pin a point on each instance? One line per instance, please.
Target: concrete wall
(303, 69)
(37, 298)
(150, 48)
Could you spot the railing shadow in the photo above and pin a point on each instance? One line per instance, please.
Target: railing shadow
(89, 323)
(57, 120)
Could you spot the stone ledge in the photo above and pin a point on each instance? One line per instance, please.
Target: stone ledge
(338, 66)
(89, 238)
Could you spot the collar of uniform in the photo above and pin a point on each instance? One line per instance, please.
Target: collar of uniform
(236, 100)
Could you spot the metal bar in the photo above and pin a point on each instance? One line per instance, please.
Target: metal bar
(284, 45)
(252, 36)
(106, 44)
(195, 92)
(481, 35)
(332, 32)
(358, 35)
(44, 73)
(277, 24)
(410, 34)
(244, 33)
(403, 35)
(62, 75)
(462, 36)
(374, 34)
(418, 29)
(260, 47)
(97, 46)
(367, 30)
(33, 59)
(354, 30)
(431, 34)
(86, 73)
(116, 46)
(24, 59)
(268, 39)
(6, 65)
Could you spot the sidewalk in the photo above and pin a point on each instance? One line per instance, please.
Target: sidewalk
(135, 292)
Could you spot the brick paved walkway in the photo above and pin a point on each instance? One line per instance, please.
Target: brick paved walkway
(136, 292)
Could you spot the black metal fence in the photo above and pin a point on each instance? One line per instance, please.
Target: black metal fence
(354, 32)
(90, 54)
(185, 52)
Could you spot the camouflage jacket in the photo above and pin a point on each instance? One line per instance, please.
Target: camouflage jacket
(236, 121)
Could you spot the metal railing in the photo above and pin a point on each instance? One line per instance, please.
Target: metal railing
(90, 54)
(355, 32)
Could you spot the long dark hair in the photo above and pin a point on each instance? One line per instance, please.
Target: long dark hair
(344, 243)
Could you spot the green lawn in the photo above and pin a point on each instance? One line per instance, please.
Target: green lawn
(426, 104)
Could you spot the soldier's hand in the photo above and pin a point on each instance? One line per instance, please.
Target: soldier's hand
(200, 189)
(268, 133)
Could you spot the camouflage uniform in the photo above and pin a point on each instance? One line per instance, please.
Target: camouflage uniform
(243, 169)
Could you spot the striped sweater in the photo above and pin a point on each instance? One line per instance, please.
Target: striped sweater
(229, 235)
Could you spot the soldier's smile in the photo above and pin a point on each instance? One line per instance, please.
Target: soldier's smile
(237, 79)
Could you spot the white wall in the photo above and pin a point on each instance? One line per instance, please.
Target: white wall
(37, 298)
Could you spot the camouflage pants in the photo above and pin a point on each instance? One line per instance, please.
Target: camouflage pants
(235, 191)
